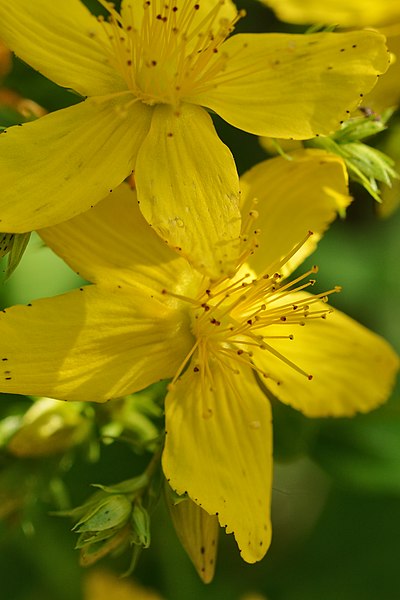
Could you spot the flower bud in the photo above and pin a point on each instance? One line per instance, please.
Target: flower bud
(49, 427)
(140, 526)
(112, 512)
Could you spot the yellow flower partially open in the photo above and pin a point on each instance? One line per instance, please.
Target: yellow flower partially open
(346, 13)
(150, 315)
(148, 71)
(355, 13)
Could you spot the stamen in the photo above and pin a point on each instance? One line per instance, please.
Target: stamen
(286, 361)
(253, 367)
(169, 52)
(184, 362)
(180, 297)
(231, 318)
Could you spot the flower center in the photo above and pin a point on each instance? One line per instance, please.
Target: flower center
(167, 50)
(231, 317)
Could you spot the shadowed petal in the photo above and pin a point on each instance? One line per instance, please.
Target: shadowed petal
(91, 344)
(62, 164)
(293, 197)
(112, 243)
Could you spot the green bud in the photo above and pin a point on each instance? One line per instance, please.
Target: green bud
(93, 552)
(94, 537)
(129, 486)
(140, 526)
(110, 513)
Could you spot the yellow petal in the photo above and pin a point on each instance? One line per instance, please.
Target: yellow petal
(62, 164)
(91, 344)
(198, 532)
(359, 13)
(294, 197)
(112, 243)
(295, 86)
(188, 188)
(219, 450)
(65, 43)
(386, 94)
(353, 369)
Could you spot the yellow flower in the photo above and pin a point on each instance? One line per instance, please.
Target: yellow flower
(346, 13)
(147, 74)
(103, 585)
(150, 315)
(354, 13)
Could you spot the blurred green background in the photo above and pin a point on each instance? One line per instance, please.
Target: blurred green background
(336, 500)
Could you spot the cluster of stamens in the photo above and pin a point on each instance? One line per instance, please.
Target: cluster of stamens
(231, 316)
(172, 52)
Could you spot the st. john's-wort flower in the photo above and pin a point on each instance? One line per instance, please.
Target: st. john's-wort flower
(147, 73)
(149, 315)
